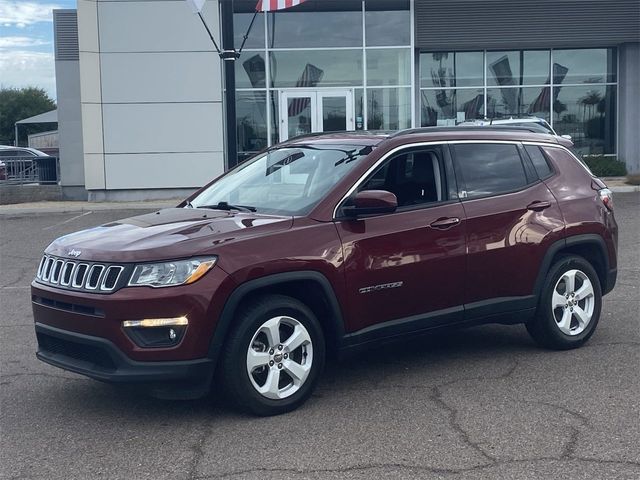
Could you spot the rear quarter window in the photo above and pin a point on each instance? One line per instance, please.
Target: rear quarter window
(540, 163)
(489, 169)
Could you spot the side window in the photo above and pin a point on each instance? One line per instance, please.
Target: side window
(489, 169)
(414, 177)
(539, 161)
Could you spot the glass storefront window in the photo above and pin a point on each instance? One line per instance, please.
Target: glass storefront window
(387, 23)
(518, 68)
(251, 121)
(250, 70)
(316, 68)
(448, 107)
(593, 65)
(452, 69)
(388, 67)
(588, 114)
(304, 29)
(389, 108)
(241, 22)
(518, 102)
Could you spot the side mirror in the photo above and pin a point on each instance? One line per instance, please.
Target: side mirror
(568, 137)
(371, 202)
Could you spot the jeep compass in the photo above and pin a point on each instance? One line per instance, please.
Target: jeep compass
(326, 244)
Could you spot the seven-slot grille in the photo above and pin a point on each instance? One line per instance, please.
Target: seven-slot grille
(79, 275)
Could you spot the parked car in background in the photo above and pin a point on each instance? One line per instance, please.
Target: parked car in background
(535, 123)
(327, 244)
(3, 170)
(27, 165)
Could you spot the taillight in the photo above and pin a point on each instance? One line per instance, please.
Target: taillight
(606, 196)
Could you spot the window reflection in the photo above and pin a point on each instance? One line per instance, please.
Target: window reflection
(449, 107)
(389, 108)
(587, 114)
(241, 22)
(296, 29)
(250, 71)
(518, 68)
(388, 67)
(327, 68)
(594, 65)
(251, 121)
(387, 23)
(518, 102)
(452, 69)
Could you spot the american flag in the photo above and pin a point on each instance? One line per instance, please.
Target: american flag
(271, 5)
(311, 76)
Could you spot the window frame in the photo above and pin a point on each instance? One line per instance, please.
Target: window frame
(527, 167)
(552, 168)
(448, 178)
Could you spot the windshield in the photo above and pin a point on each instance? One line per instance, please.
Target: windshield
(288, 181)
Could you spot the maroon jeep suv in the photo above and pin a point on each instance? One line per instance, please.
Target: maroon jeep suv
(325, 244)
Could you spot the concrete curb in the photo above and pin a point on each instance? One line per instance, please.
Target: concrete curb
(625, 189)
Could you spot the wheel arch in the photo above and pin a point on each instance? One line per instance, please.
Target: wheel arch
(310, 287)
(589, 246)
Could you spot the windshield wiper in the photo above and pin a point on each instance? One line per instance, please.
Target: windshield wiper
(227, 206)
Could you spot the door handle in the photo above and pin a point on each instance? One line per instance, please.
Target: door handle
(538, 206)
(444, 223)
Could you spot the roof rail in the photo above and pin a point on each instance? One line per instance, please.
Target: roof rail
(512, 128)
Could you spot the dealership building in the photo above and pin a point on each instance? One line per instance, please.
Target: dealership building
(142, 92)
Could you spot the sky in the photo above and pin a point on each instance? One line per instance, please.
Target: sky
(26, 43)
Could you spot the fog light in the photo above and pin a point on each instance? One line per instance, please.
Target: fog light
(156, 322)
(156, 332)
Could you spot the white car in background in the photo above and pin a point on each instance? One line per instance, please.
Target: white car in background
(537, 123)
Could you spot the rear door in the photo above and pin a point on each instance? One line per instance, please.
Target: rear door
(512, 218)
(408, 265)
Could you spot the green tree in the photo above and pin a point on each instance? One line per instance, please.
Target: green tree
(18, 104)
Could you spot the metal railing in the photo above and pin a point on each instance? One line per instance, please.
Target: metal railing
(25, 170)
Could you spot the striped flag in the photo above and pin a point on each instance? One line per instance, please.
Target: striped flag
(310, 77)
(271, 5)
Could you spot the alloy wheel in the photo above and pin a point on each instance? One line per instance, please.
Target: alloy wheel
(573, 302)
(279, 357)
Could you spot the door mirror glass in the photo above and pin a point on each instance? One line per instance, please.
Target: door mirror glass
(371, 202)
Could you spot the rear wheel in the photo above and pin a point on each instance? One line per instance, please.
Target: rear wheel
(273, 358)
(569, 306)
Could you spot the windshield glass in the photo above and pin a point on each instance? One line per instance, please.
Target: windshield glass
(289, 181)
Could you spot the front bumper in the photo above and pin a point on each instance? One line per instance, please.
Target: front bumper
(100, 359)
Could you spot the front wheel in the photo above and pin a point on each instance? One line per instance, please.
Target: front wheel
(569, 306)
(273, 358)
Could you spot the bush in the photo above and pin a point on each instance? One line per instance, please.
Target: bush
(605, 165)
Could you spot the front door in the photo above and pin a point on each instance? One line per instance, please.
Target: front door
(308, 111)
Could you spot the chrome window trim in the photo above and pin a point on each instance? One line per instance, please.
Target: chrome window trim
(441, 142)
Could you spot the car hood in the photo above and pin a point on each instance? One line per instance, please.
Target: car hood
(165, 234)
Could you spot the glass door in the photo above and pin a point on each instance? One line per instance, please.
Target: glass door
(309, 111)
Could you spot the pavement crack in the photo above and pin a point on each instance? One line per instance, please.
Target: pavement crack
(198, 450)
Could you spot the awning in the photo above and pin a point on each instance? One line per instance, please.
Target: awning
(46, 117)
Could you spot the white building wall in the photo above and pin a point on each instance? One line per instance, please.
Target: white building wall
(151, 91)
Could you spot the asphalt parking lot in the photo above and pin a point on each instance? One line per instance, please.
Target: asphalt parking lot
(475, 404)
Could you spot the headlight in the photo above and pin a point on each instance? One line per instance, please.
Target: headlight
(166, 274)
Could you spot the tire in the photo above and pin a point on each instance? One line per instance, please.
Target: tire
(281, 380)
(564, 321)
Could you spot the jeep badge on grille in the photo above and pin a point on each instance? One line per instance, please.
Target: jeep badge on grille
(74, 253)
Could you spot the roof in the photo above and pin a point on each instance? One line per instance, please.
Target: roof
(46, 117)
(489, 132)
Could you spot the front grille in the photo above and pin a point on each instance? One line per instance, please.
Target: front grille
(84, 276)
(90, 354)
